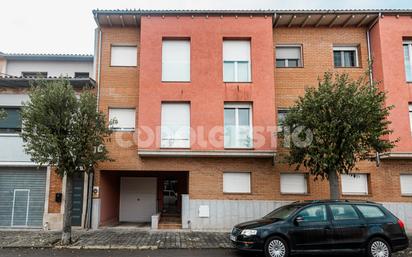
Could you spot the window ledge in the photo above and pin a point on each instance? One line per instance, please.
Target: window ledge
(234, 193)
(237, 82)
(123, 130)
(174, 152)
(122, 66)
(356, 194)
(176, 82)
(298, 67)
(303, 194)
(406, 195)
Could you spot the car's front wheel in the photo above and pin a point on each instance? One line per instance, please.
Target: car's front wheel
(378, 247)
(276, 247)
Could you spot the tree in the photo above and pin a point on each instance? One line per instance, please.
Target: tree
(346, 122)
(65, 132)
(3, 114)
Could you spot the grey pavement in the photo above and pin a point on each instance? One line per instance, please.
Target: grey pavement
(124, 242)
(117, 239)
(142, 253)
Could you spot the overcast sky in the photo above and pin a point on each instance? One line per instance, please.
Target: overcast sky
(56, 26)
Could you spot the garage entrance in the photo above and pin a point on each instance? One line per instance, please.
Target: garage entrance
(22, 196)
(132, 198)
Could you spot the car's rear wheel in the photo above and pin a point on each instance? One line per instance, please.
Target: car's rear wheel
(378, 247)
(276, 247)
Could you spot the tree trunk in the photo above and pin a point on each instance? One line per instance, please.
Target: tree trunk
(334, 185)
(67, 215)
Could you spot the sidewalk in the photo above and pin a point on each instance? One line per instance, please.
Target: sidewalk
(117, 239)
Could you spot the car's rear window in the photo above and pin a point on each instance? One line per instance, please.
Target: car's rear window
(343, 212)
(283, 212)
(371, 212)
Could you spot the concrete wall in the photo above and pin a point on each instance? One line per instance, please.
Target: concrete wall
(53, 68)
(224, 214)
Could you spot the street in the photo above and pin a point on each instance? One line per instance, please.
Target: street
(26, 252)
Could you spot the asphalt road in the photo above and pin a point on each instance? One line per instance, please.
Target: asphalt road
(130, 253)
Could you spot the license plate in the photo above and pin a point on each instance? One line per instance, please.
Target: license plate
(232, 237)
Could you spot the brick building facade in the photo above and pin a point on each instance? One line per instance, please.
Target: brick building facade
(217, 185)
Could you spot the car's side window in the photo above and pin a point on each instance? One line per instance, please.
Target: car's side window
(343, 212)
(371, 212)
(314, 214)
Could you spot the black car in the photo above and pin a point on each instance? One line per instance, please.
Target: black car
(323, 226)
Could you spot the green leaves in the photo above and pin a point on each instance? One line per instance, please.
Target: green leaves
(3, 114)
(62, 130)
(348, 121)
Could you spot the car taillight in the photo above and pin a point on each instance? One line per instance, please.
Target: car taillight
(401, 224)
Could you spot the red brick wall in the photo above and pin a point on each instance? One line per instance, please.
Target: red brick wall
(387, 51)
(55, 187)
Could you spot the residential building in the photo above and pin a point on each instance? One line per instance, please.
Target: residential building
(197, 94)
(29, 194)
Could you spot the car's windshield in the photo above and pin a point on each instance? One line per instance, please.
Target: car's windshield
(282, 212)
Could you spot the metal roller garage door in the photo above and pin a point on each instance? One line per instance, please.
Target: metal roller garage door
(22, 195)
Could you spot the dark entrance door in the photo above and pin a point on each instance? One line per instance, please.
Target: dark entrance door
(77, 208)
(170, 196)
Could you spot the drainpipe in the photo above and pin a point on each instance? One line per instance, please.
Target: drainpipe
(369, 46)
(377, 158)
(89, 209)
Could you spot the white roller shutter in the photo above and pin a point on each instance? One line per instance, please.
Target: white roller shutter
(126, 118)
(176, 60)
(175, 130)
(123, 56)
(293, 184)
(406, 184)
(236, 50)
(236, 182)
(357, 185)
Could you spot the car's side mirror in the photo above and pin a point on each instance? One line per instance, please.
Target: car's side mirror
(298, 220)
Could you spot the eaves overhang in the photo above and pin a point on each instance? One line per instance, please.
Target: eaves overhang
(48, 57)
(280, 18)
(205, 154)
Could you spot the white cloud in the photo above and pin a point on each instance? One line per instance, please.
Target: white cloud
(56, 26)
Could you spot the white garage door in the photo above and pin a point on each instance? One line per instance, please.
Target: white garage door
(137, 199)
(22, 195)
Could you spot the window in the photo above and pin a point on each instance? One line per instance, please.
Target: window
(35, 74)
(293, 184)
(238, 126)
(236, 61)
(345, 56)
(410, 116)
(370, 211)
(288, 56)
(12, 122)
(406, 184)
(281, 119)
(355, 185)
(176, 60)
(314, 214)
(175, 130)
(81, 75)
(123, 56)
(236, 182)
(407, 49)
(343, 212)
(126, 118)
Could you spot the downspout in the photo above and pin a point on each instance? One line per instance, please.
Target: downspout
(369, 47)
(377, 159)
(98, 45)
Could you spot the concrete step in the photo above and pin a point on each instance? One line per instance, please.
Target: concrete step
(170, 225)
